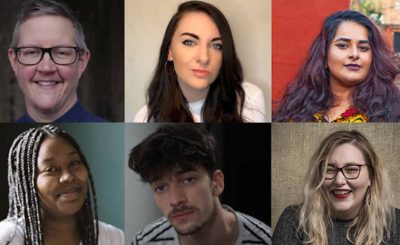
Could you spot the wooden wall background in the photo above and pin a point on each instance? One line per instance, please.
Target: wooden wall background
(101, 88)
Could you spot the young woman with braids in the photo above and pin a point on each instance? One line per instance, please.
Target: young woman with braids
(348, 76)
(346, 198)
(52, 197)
(198, 77)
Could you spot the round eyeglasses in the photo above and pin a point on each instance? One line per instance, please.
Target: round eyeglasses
(349, 171)
(59, 55)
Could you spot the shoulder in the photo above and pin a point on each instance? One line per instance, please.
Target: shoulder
(157, 233)
(141, 115)
(11, 233)
(109, 234)
(254, 104)
(253, 229)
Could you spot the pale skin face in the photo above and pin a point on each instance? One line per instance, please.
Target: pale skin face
(196, 51)
(62, 179)
(49, 89)
(347, 195)
(349, 56)
(188, 198)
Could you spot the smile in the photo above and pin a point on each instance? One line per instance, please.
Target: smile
(201, 73)
(47, 83)
(70, 193)
(341, 194)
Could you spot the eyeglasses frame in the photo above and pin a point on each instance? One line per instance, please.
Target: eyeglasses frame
(48, 50)
(341, 170)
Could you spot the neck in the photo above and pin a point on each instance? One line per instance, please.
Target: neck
(342, 95)
(192, 94)
(60, 230)
(49, 115)
(222, 228)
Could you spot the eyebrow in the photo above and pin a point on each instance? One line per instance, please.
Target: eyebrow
(51, 159)
(331, 164)
(176, 174)
(344, 39)
(197, 37)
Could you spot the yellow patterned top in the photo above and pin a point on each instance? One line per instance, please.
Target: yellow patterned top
(351, 115)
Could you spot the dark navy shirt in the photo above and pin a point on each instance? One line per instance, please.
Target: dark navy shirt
(76, 114)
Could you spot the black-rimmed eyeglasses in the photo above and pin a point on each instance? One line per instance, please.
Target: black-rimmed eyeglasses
(349, 171)
(59, 55)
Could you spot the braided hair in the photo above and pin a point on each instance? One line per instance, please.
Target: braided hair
(23, 197)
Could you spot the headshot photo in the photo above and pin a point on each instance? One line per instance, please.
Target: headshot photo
(194, 184)
(61, 186)
(197, 61)
(346, 68)
(58, 64)
(340, 182)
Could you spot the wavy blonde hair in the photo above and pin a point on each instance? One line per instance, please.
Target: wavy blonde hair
(375, 218)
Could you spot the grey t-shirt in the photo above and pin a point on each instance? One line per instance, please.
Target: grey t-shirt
(285, 232)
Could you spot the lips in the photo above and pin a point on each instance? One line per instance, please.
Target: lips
(341, 194)
(201, 73)
(46, 83)
(181, 214)
(353, 67)
(70, 192)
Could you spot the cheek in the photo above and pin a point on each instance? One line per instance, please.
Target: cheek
(25, 73)
(69, 73)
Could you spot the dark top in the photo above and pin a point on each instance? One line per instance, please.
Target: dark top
(285, 230)
(76, 114)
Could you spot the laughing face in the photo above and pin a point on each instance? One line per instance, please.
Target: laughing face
(188, 198)
(349, 55)
(347, 195)
(48, 88)
(62, 178)
(196, 51)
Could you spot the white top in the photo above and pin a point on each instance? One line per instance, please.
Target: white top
(253, 109)
(13, 234)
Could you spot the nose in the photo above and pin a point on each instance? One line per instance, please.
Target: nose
(340, 179)
(46, 64)
(176, 195)
(354, 52)
(203, 56)
(66, 176)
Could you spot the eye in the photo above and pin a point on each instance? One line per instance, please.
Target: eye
(216, 46)
(364, 48)
(351, 169)
(76, 162)
(189, 180)
(159, 188)
(30, 52)
(331, 170)
(188, 42)
(342, 45)
(50, 169)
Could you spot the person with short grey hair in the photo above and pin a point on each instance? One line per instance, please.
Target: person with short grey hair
(48, 55)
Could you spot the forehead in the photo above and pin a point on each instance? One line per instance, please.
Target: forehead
(178, 171)
(198, 23)
(351, 30)
(346, 153)
(54, 146)
(46, 31)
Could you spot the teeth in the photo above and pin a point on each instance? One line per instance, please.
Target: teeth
(341, 192)
(46, 83)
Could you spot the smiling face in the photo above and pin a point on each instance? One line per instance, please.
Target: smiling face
(349, 55)
(48, 88)
(196, 51)
(188, 198)
(346, 196)
(62, 178)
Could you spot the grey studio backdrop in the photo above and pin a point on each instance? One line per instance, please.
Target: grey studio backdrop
(294, 143)
(101, 88)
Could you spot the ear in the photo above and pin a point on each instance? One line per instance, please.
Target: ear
(218, 183)
(84, 58)
(170, 55)
(12, 56)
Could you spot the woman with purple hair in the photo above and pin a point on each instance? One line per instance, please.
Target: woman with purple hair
(348, 76)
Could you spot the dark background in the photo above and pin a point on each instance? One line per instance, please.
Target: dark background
(245, 159)
(101, 88)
